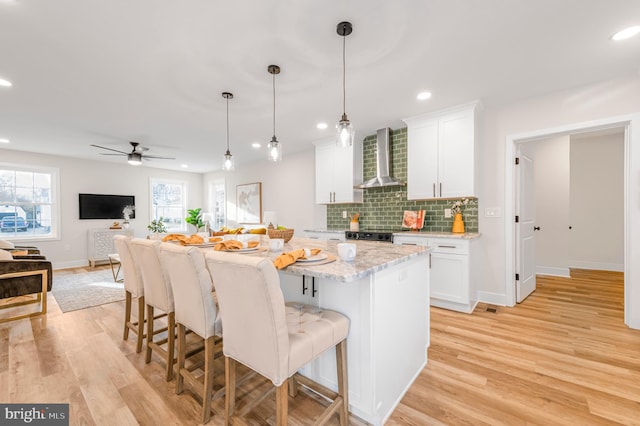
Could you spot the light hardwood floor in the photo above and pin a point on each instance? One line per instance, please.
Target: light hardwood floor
(564, 356)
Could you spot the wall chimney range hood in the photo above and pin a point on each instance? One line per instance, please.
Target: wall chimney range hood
(383, 161)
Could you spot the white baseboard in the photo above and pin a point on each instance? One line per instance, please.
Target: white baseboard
(492, 298)
(600, 266)
(70, 264)
(553, 270)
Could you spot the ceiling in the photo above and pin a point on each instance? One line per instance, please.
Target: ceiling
(153, 71)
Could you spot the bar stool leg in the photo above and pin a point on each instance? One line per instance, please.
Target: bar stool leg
(341, 363)
(282, 404)
(230, 384)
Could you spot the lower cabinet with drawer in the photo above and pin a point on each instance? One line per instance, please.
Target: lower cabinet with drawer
(454, 273)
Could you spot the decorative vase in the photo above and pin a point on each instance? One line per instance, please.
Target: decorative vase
(458, 224)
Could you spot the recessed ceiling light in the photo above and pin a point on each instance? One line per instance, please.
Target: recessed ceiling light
(626, 33)
(423, 95)
(321, 126)
(184, 166)
(4, 140)
(5, 83)
(256, 145)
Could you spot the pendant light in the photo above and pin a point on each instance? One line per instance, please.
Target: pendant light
(273, 147)
(346, 132)
(227, 160)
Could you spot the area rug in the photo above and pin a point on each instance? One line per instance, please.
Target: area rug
(80, 291)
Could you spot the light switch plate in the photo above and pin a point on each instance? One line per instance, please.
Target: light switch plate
(344, 214)
(447, 213)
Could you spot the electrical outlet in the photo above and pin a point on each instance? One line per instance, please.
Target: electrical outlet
(344, 214)
(492, 212)
(447, 213)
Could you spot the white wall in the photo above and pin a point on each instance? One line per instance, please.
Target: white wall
(288, 188)
(597, 200)
(551, 192)
(85, 176)
(595, 102)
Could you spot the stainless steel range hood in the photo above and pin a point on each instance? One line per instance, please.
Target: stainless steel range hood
(382, 164)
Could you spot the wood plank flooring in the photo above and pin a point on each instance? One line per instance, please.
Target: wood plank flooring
(564, 356)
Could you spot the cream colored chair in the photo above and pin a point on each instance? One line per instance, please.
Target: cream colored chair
(133, 288)
(195, 310)
(272, 338)
(157, 295)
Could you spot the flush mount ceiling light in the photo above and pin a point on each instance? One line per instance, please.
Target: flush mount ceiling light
(227, 161)
(273, 147)
(346, 132)
(626, 33)
(256, 145)
(321, 126)
(5, 83)
(2, 140)
(423, 96)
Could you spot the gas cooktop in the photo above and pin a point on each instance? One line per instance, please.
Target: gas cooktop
(382, 236)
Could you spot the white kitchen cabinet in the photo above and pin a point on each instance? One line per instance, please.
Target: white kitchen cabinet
(325, 235)
(303, 289)
(441, 154)
(337, 171)
(454, 265)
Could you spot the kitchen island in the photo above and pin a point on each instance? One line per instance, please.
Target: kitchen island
(385, 294)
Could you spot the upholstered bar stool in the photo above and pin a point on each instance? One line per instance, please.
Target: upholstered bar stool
(133, 288)
(270, 338)
(195, 309)
(157, 295)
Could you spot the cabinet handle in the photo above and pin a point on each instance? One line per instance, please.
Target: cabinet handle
(434, 189)
(304, 287)
(313, 287)
(409, 244)
(429, 260)
(441, 189)
(439, 246)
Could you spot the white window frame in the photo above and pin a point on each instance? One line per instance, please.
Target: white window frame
(185, 190)
(54, 172)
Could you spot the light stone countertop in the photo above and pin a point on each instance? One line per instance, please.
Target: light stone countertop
(462, 236)
(371, 257)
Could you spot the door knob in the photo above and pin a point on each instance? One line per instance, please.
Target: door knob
(536, 228)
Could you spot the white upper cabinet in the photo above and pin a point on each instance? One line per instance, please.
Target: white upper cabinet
(337, 171)
(441, 154)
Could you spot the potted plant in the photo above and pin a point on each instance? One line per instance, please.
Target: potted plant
(195, 218)
(157, 227)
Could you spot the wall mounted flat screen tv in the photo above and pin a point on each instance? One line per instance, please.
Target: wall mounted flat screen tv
(104, 206)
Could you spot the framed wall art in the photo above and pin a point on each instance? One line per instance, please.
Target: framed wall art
(249, 203)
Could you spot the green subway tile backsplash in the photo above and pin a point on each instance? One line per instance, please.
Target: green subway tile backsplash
(383, 208)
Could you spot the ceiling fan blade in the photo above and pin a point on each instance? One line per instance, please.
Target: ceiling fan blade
(119, 155)
(158, 158)
(110, 149)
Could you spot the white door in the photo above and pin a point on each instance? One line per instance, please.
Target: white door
(525, 247)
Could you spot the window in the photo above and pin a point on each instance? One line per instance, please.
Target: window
(217, 204)
(169, 203)
(28, 202)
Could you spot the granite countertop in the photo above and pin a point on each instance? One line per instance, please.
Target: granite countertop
(371, 257)
(427, 234)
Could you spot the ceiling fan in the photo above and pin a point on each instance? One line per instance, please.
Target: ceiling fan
(135, 156)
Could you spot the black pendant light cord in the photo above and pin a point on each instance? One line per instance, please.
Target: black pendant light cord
(227, 125)
(274, 105)
(344, 79)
